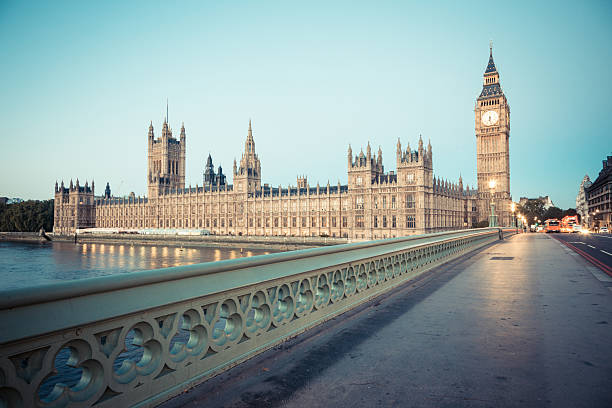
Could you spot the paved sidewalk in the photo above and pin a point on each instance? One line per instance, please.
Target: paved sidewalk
(525, 322)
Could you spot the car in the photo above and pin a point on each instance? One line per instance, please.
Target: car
(604, 229)
(576, 228)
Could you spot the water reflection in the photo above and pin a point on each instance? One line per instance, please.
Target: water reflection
(26, 265)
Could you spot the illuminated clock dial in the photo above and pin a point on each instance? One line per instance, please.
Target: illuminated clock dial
(489, 118)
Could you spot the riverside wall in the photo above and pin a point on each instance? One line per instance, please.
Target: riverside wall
(250, 242)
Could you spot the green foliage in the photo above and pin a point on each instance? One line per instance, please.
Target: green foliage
(531, 209)
(481, 224)
(27, 216)
(571, 211)
(553, 212)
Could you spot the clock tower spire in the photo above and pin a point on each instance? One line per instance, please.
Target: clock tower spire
(492, 126)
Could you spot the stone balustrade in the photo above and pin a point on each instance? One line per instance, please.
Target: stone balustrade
(137, 339)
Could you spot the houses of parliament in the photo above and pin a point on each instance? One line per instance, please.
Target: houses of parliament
(373, 204)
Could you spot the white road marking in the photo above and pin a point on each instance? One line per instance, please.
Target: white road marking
(590, 246)
(605, 252)
(577, 242)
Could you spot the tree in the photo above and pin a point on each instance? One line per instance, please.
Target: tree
(553, 212)
(27, 216)
(531, 209)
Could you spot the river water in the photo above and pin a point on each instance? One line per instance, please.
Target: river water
(25, 265)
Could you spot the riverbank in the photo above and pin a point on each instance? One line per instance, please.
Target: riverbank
(28, 237)
(243, 242)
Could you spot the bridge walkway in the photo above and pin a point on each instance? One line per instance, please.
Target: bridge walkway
(524, 322)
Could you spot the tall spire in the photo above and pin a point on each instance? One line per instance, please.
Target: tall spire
(167, 116)
(491, 64)
(250, 134)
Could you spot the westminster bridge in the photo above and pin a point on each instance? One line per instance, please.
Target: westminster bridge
(465, 318)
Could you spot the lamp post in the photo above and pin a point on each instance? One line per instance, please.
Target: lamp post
(513, 208)
(492, 217)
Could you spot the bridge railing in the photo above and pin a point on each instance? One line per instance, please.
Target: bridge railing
(140, 338)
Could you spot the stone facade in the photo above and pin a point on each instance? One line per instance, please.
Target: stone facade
(74, 207)
(582, 207)
(374, 204)
(492, 117)
(599, 197)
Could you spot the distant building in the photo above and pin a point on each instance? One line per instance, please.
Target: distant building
(582, 207)
(373, 204)
(7, 200)
(211, 178)
(598, 196)
(546, 201)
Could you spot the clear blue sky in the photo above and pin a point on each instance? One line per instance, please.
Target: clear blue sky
(82, 80)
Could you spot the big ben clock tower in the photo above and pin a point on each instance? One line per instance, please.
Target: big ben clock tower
(492, 118)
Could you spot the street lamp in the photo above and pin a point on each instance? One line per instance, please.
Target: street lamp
(513, 208)
(492, 218)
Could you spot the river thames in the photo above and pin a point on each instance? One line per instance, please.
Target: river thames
(25, 265)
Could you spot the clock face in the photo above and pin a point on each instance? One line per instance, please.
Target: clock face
(489, 118)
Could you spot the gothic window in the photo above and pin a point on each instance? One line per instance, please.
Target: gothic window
(393, 201)
(359, 221)
(359, 202)
(410, 223)
(284, 221)
(384, 202)
(409, 200)
(294, 221)
(313, 222)
(375, 221)
(394, 222)
(303, 222)
(344, 222)
(333, 221)
(359, 181)
(323, 222)
(384, 221)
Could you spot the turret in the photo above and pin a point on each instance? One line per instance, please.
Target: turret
(398, 151)
(379, 159)
(350, 156)
(369, 154)
(420, 147)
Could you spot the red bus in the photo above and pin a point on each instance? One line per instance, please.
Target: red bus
(568, 222)
(552, 225)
